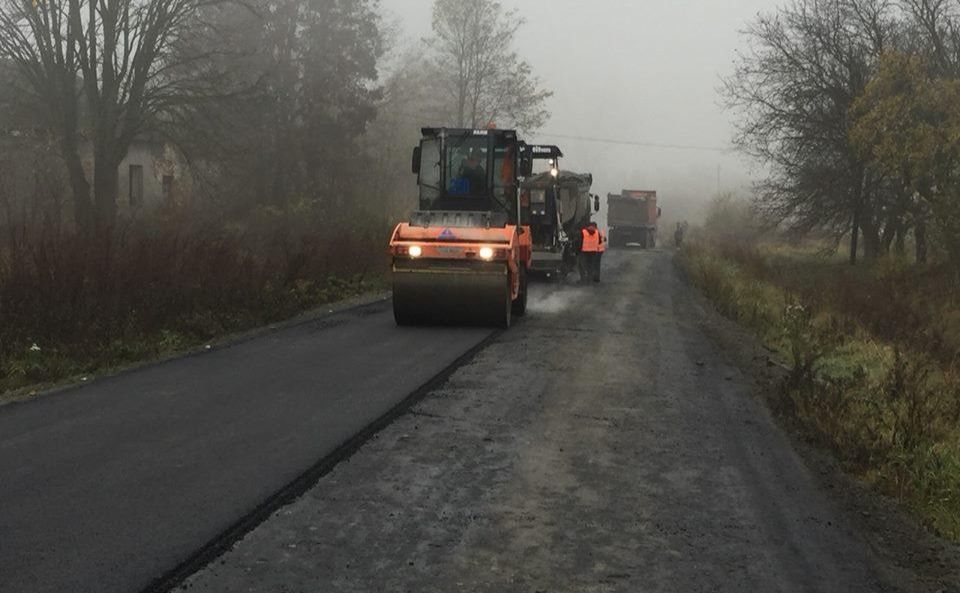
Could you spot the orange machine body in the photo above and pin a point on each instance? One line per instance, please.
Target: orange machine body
(462, 246)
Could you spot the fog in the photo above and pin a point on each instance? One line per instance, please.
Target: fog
(642, 72)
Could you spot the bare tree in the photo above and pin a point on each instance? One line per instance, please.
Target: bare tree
(480, 74)
(794, 89)
(102, 71)
(935, 28)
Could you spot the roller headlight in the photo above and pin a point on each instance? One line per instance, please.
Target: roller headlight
(416, 251)
(486, 253)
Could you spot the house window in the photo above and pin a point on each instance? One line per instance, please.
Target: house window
(168, 188)
(136, 185)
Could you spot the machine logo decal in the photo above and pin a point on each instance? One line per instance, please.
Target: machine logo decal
(447, 235)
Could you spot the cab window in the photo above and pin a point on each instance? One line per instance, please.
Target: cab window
(467, 168)
(429, 172)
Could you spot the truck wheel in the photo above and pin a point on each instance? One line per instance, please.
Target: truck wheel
(520, 304)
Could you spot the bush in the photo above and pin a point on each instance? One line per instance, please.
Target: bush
(71, 304)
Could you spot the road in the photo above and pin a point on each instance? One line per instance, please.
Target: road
(107, 487)
(604, 444)
(608, 442)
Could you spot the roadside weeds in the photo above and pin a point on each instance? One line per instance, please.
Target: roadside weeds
(891, 415)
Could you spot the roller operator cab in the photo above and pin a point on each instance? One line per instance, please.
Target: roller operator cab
(462, 257)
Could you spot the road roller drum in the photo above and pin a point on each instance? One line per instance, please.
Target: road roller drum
(478, 294)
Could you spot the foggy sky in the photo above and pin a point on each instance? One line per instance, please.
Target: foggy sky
(636, 70)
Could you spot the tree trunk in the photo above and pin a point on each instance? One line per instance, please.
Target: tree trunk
(854, 235)
(80, 188)
(83, 218)
(857, 222)
(105, 189)
(871, 240)
(891, 229)
(900, 242)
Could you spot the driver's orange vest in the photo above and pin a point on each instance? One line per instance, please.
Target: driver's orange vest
(591, 241)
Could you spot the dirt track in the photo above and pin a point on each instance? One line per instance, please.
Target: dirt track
(604, 444)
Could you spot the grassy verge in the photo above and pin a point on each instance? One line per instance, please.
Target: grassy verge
(72, 307)
(872, 354)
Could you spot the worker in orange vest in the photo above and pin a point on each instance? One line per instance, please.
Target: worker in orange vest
(591, 249)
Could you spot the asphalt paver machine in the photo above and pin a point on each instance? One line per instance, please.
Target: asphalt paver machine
(560, 205)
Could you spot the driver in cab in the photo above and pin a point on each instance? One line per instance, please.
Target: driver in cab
(472, 175)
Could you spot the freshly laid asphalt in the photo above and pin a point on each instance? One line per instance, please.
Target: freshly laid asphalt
(107, 487)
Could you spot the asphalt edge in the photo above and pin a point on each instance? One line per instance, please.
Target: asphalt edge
(358, 303)
(225, 541)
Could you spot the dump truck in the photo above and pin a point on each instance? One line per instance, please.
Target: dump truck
(560, 205)
(463, 257)
(632, 217)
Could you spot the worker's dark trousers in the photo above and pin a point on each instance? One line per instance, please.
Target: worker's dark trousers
(589, 267)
